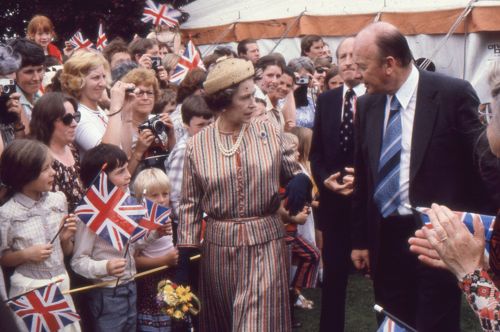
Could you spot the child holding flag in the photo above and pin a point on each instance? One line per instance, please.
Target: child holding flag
(36, 230)
(96, 256)
(154, 185)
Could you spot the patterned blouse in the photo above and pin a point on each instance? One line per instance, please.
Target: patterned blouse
(67, 180)
(484, 298)
(241, 189)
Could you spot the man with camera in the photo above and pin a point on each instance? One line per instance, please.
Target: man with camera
(332, 159)
(13, 121)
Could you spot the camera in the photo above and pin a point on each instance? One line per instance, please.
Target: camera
(155, 62)
(302, 80)
(7, 87)
(157, 127)
(157, 153)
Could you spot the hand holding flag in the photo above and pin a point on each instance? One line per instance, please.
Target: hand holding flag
(156, 217)
(110, 212)
(189, 60)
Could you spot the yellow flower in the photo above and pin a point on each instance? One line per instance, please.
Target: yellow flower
(172, 300)
(184, 293)
(184, 308)
(178, 314)
(169, 311)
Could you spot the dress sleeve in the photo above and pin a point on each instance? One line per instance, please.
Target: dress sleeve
(483, 297)
(190, 213)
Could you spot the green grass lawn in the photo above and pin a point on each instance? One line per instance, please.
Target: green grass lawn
(360, 316)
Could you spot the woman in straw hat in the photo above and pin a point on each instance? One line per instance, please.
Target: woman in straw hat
(232, 172)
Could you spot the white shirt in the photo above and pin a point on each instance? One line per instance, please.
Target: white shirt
(359, 90)
(91, 128)
(407, 97)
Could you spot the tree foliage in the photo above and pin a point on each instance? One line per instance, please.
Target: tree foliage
(119, 17)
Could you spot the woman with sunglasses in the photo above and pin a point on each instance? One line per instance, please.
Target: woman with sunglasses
(54, 121)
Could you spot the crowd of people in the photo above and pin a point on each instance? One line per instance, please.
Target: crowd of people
(280, 176)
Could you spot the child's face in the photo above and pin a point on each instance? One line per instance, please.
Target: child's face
(196, 124)
(44, 181)
(170, 107)
(120, 177)
(161, 197)
(43, 38)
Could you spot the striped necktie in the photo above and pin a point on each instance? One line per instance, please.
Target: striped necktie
(387, 196)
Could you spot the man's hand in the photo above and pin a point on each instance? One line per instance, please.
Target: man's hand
(361, 259)
(344, 187)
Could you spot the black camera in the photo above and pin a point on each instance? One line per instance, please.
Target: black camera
(157, 127)
(302, 80)
(7, 87)
(155, 62)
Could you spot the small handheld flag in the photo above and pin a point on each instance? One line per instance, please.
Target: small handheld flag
(160, 14)
(156, 215)
(102, 40)
(189, 60)
(79, 42)
(44, 309)
(391, 323)
(110, 212)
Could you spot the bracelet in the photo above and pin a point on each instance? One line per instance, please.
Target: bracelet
(109, 115)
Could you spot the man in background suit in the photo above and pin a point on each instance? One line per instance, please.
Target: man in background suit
(415, 133)
(332, 158)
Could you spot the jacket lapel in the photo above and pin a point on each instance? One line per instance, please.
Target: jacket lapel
(375, 122)
(426, 110)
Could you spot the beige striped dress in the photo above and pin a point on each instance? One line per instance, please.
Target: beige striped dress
(244, 266)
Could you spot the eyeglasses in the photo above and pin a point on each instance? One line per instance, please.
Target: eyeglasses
(149, 94)
(485, 113)
(68, 118)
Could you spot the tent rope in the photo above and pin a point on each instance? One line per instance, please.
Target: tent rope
(453, 28)
(287, 31)
(217, 42)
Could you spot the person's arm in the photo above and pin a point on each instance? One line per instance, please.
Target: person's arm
(483, 297)
(35, 254)
(82, 262)
(113, 132)
(289, 111)
(316, 155)
(144, 141)
(174, 172)
(169, 259)
(67, 234)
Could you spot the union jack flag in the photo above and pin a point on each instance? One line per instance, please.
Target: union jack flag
(110, 212)
(190, 59)
(388, 325)
(468, 219)
(102, 40)
(79, 42)
(156, 215)
(159, 14)
(44, 309)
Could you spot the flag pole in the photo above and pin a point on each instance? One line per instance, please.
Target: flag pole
(381, 310)
(124, 256)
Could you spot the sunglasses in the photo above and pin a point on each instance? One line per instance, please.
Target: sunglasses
(68, 118)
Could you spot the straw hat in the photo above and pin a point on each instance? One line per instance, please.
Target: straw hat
(226, 72)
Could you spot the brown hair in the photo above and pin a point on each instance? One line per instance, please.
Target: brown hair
(195, 106)
(117, 45)
(47, 110)
(39, 22)
(306, 43)
(142, 76)
(305, 137)
(192, 82)
(22, 162)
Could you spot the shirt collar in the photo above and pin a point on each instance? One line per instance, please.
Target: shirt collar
(23, 100)
(28, 202)
(359, 89)
(408, 88)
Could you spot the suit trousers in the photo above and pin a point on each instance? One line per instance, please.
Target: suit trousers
(337, 264)
(423, 297)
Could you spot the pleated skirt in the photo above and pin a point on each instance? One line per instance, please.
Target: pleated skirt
(245, 288)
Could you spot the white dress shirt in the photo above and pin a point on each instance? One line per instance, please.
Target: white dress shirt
(407, 97)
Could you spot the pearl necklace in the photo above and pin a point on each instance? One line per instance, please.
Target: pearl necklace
(232, 150)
